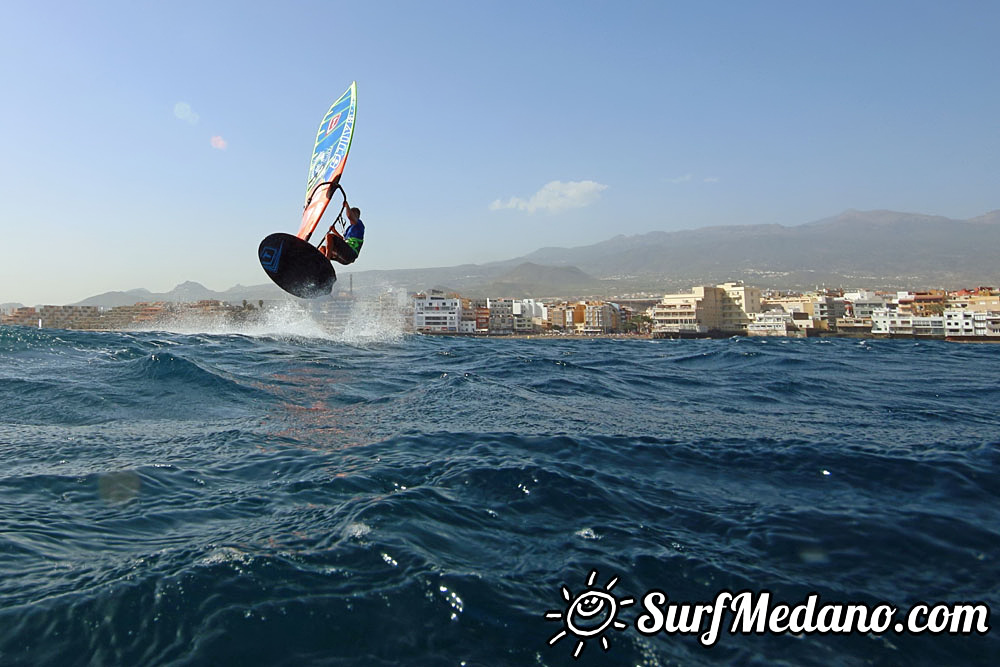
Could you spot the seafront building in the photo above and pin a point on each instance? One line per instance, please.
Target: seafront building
(981, 300)
(780, 323)
(569, 317)
(529, 315)
(954, 323)
(691, 314)
(601, 318)
(739, 306)
(437, 313)
(922, 304)
(728, 308)
(501, 316)
(705, 311)
(862, 303)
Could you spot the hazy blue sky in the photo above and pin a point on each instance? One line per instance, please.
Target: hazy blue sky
(147, 143)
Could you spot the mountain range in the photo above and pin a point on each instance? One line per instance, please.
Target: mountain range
(875, 249)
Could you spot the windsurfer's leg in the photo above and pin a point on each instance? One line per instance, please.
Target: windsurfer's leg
(329, 245)
(330, 236)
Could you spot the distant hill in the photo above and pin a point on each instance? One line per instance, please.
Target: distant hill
(118, 298)
(185, 292)
(535, 280)
(991, 218)
(878, 249)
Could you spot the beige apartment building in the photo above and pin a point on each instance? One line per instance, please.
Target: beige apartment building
(740, 304)
(983, 302)
(567, 316)
(694, 313)
(727, 308)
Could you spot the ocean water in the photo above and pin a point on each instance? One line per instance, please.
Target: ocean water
(282, 496)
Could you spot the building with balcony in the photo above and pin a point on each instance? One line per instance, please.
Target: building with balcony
(738, 307)
(529, 315)
(860, 304)
(436, 313)
(920, 304)
(726, 308)
(568, 317)
(692, 314)
(900, 323)
(601, 318)
(776, 323)
(967, 323)
(501, 316)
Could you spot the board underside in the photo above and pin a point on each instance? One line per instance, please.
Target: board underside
(296, 266)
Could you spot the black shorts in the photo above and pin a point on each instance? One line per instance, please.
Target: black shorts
(342, 251)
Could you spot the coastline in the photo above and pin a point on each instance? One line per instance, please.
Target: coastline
(720, 336)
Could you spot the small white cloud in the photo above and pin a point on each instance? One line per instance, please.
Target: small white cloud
(219, 143)
(183, 111)
(711, 179)
(686, 178)
(555, 196)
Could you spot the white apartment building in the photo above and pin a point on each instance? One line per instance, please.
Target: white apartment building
(885, 321)
(971, 323)
(959, 323)
(864, 307)
(772, 323)
(437, 313)
(953, 322)
(862, 303)
(890, 322)
(528, 315)
(529, 308)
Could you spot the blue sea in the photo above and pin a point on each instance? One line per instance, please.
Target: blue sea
(285, 496)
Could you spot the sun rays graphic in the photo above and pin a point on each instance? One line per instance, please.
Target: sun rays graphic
(589, 614)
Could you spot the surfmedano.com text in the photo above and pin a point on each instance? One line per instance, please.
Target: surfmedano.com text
(752, 613)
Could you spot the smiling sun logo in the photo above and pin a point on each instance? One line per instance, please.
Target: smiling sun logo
(589, 614)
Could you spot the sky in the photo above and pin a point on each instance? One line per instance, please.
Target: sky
(143, 144)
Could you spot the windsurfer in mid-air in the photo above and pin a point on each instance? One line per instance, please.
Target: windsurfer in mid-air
(345, 248)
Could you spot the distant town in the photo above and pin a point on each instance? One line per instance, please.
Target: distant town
(725, 310)
(706, 311)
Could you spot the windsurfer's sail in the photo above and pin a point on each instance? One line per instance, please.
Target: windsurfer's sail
(333, 141)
